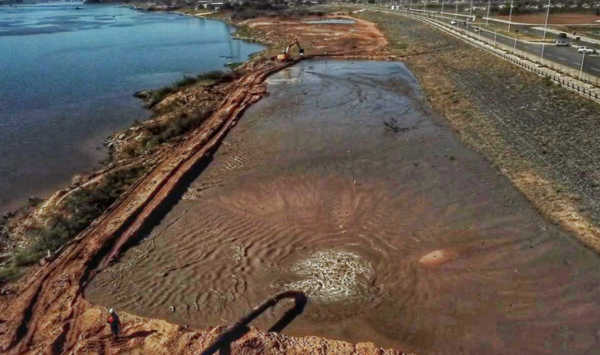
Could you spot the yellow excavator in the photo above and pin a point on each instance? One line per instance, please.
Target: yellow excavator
(284, 56)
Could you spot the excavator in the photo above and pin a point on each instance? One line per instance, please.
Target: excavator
(285, 56)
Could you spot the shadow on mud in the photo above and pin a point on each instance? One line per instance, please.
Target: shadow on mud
(238, 330)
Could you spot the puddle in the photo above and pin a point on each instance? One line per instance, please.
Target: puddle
(331, 22)
(407, 239)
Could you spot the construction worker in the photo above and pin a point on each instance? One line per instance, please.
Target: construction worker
(114, 322)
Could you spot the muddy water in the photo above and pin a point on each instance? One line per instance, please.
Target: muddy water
(406, 239)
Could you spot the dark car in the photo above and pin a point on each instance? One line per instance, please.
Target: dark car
(562, 35)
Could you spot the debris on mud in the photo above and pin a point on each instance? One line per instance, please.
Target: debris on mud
(331, 275)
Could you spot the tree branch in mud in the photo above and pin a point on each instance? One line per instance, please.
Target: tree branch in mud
(392, 123)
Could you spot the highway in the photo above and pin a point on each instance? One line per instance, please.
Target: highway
(567, 56)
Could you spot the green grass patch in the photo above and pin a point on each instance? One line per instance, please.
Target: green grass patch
(80, 209)
(10, 273)
(208, 78)
(388, 24)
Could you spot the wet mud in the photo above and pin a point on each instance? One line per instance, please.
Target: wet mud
(397, 232)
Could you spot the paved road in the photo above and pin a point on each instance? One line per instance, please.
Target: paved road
(567, 56)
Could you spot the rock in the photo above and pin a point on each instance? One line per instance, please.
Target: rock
(144, 94)
(77, 179)
(121, 136)
(438, 257)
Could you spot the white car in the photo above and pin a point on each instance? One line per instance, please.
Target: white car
(560, 43)
(586, 50)
(453, 22)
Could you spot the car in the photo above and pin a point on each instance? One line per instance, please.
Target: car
(585, 50)
(562, 35)
(476, 29)
(464, 23)
(453, 22)
(560, 43)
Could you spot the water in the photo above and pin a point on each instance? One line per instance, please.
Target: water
(67, 77)
(409, 240)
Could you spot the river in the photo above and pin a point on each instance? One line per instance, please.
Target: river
(67, 77)
(406, 239)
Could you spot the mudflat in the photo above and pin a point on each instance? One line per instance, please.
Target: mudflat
(344, 184)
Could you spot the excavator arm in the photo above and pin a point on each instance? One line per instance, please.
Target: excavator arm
(284, 56)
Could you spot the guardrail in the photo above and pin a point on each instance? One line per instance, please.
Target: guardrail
(592, 94)
(565, 82)
(568, 83)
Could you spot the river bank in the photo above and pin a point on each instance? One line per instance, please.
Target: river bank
(343, 183)
(70, 77)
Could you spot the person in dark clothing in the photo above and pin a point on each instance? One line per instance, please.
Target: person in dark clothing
(114, 322)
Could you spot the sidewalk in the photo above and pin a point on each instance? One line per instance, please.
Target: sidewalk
(511, 22)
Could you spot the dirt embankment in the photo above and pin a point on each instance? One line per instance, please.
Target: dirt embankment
(360, 39)
(542, 137)
(46, 313)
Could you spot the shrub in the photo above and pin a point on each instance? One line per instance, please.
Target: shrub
(81, 208)
(158, 95)
(9, 274)
(185, 81)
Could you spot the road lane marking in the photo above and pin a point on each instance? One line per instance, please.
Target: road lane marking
(561, 58)
(576, 63)
(595, 69)
(549, 55)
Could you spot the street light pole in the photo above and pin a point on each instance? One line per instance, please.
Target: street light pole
(544, 38)
(515, 45)
(456, 15)
(487, 19)
(442, 8)
(495, 33)
(510, 14)
(581, 69)
(471, 10)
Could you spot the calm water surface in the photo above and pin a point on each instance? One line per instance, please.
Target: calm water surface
(67, 77)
